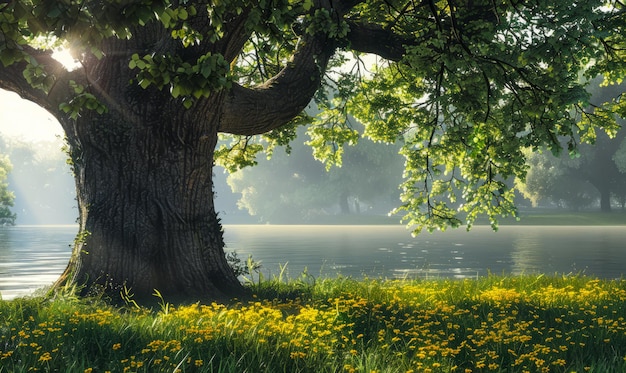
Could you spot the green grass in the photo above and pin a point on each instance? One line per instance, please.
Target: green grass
(490, 324)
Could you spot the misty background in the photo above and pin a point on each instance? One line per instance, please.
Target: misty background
(286, 189)
(295, 188)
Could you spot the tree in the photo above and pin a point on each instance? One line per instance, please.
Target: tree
(7, 217)
(593, 176)
(553, 180)
(467, 85)
(566, 180)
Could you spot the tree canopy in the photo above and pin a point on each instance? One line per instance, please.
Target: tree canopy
(466, 85)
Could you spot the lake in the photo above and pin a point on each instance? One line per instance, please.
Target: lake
(34, 256)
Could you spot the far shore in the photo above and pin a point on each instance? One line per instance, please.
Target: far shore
(526, 217)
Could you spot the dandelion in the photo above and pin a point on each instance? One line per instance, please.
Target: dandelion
(297, 355)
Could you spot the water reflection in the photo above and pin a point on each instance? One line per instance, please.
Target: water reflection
(527, 253)
(369, 251)
(31, 257)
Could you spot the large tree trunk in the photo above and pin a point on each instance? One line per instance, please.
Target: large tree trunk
(144, 178)
(147, 217)
(144, 168)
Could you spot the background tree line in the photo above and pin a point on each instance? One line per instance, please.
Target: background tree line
(292, 187)
(37, 181)
(594, 175)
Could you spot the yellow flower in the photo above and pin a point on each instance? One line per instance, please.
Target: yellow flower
(45, 357)
(117, 346)
(198, 363)
(88, 370)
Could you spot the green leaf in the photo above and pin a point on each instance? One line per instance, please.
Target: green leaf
(175, 91)
(55, 12)
(165, 18)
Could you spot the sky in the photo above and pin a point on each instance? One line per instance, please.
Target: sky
(24, 120)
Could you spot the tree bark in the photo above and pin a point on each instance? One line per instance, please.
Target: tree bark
(147, 217)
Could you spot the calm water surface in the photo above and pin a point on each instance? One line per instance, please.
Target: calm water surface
(32, 257)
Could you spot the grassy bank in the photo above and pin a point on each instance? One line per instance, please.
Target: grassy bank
(492, 324)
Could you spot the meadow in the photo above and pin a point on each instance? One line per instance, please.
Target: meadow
(491, 324)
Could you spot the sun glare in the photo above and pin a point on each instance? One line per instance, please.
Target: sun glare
(64, 56)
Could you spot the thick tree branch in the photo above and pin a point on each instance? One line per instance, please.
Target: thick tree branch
(253, 111)
(371, 38)
(257, 110)
(12, 79)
